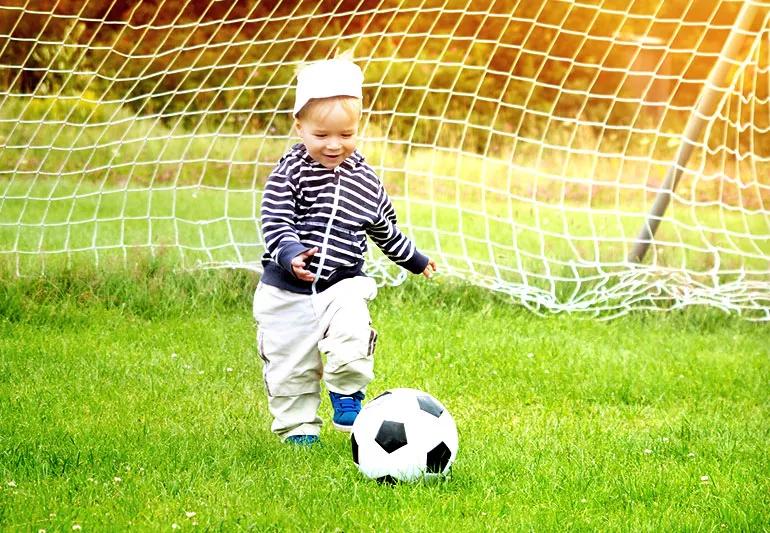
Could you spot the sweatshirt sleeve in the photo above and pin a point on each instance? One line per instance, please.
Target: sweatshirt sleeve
(277, 218)
(394, 244)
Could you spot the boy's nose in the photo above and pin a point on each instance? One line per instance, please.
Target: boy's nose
(334, 144)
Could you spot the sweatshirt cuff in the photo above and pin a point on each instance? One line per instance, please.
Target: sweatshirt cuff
(289, 252)
(417, 263)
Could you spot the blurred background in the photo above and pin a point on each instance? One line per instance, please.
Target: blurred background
(523, 142)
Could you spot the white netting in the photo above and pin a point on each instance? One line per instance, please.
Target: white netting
(524, 143)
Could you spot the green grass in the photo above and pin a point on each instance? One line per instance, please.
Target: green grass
(46, 224)
(133, 398)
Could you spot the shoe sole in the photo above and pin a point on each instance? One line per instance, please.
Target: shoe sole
(344, 429)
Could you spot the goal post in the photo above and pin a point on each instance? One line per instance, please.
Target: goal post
(524, 143)
(711, 95)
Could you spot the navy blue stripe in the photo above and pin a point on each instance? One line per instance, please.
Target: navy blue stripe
(297, 203)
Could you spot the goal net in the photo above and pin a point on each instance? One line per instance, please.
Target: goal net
(595, 155)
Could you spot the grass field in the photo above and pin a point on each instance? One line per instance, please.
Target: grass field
(136, 399)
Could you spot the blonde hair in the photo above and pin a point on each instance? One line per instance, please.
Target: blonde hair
(318, 108)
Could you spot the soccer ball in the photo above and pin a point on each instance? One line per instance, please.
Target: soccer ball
(404, 435)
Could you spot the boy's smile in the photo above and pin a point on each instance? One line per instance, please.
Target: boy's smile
(329, 134)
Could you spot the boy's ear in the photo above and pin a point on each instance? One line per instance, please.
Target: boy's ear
(297, 125)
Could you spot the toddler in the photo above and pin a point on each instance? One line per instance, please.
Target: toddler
(320, 203)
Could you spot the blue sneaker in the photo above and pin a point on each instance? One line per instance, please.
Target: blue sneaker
(303, 440)
(346, 409)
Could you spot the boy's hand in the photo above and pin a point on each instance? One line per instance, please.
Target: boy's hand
(298, 265)
(429, 269)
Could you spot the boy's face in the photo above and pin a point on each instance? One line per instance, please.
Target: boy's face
(329, 134)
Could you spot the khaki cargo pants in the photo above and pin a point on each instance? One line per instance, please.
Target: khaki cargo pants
(293, 332)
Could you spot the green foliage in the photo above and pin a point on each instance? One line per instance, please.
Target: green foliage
(226, 64)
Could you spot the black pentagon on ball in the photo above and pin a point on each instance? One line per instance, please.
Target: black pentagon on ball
(438, 458)
(429, 405)
(354, 446)
(391, 436)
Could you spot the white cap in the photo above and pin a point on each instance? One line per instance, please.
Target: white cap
(323, 79)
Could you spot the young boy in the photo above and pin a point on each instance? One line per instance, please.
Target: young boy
(319, 204)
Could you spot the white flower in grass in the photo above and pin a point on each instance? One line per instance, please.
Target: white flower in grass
(647, 451)
(175, 526)
(664, 439)
(705, 479)
(41, 530)
(76, 527)
(190, 514)
(228, 369)
(691, 455)
(530, 355)
(173, 355)
(11, 484)
(117, 479)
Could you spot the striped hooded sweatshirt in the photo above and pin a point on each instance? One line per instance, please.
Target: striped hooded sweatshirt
(306, 204)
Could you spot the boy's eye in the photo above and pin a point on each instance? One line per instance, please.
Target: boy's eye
(320, 135)
(347, 135)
